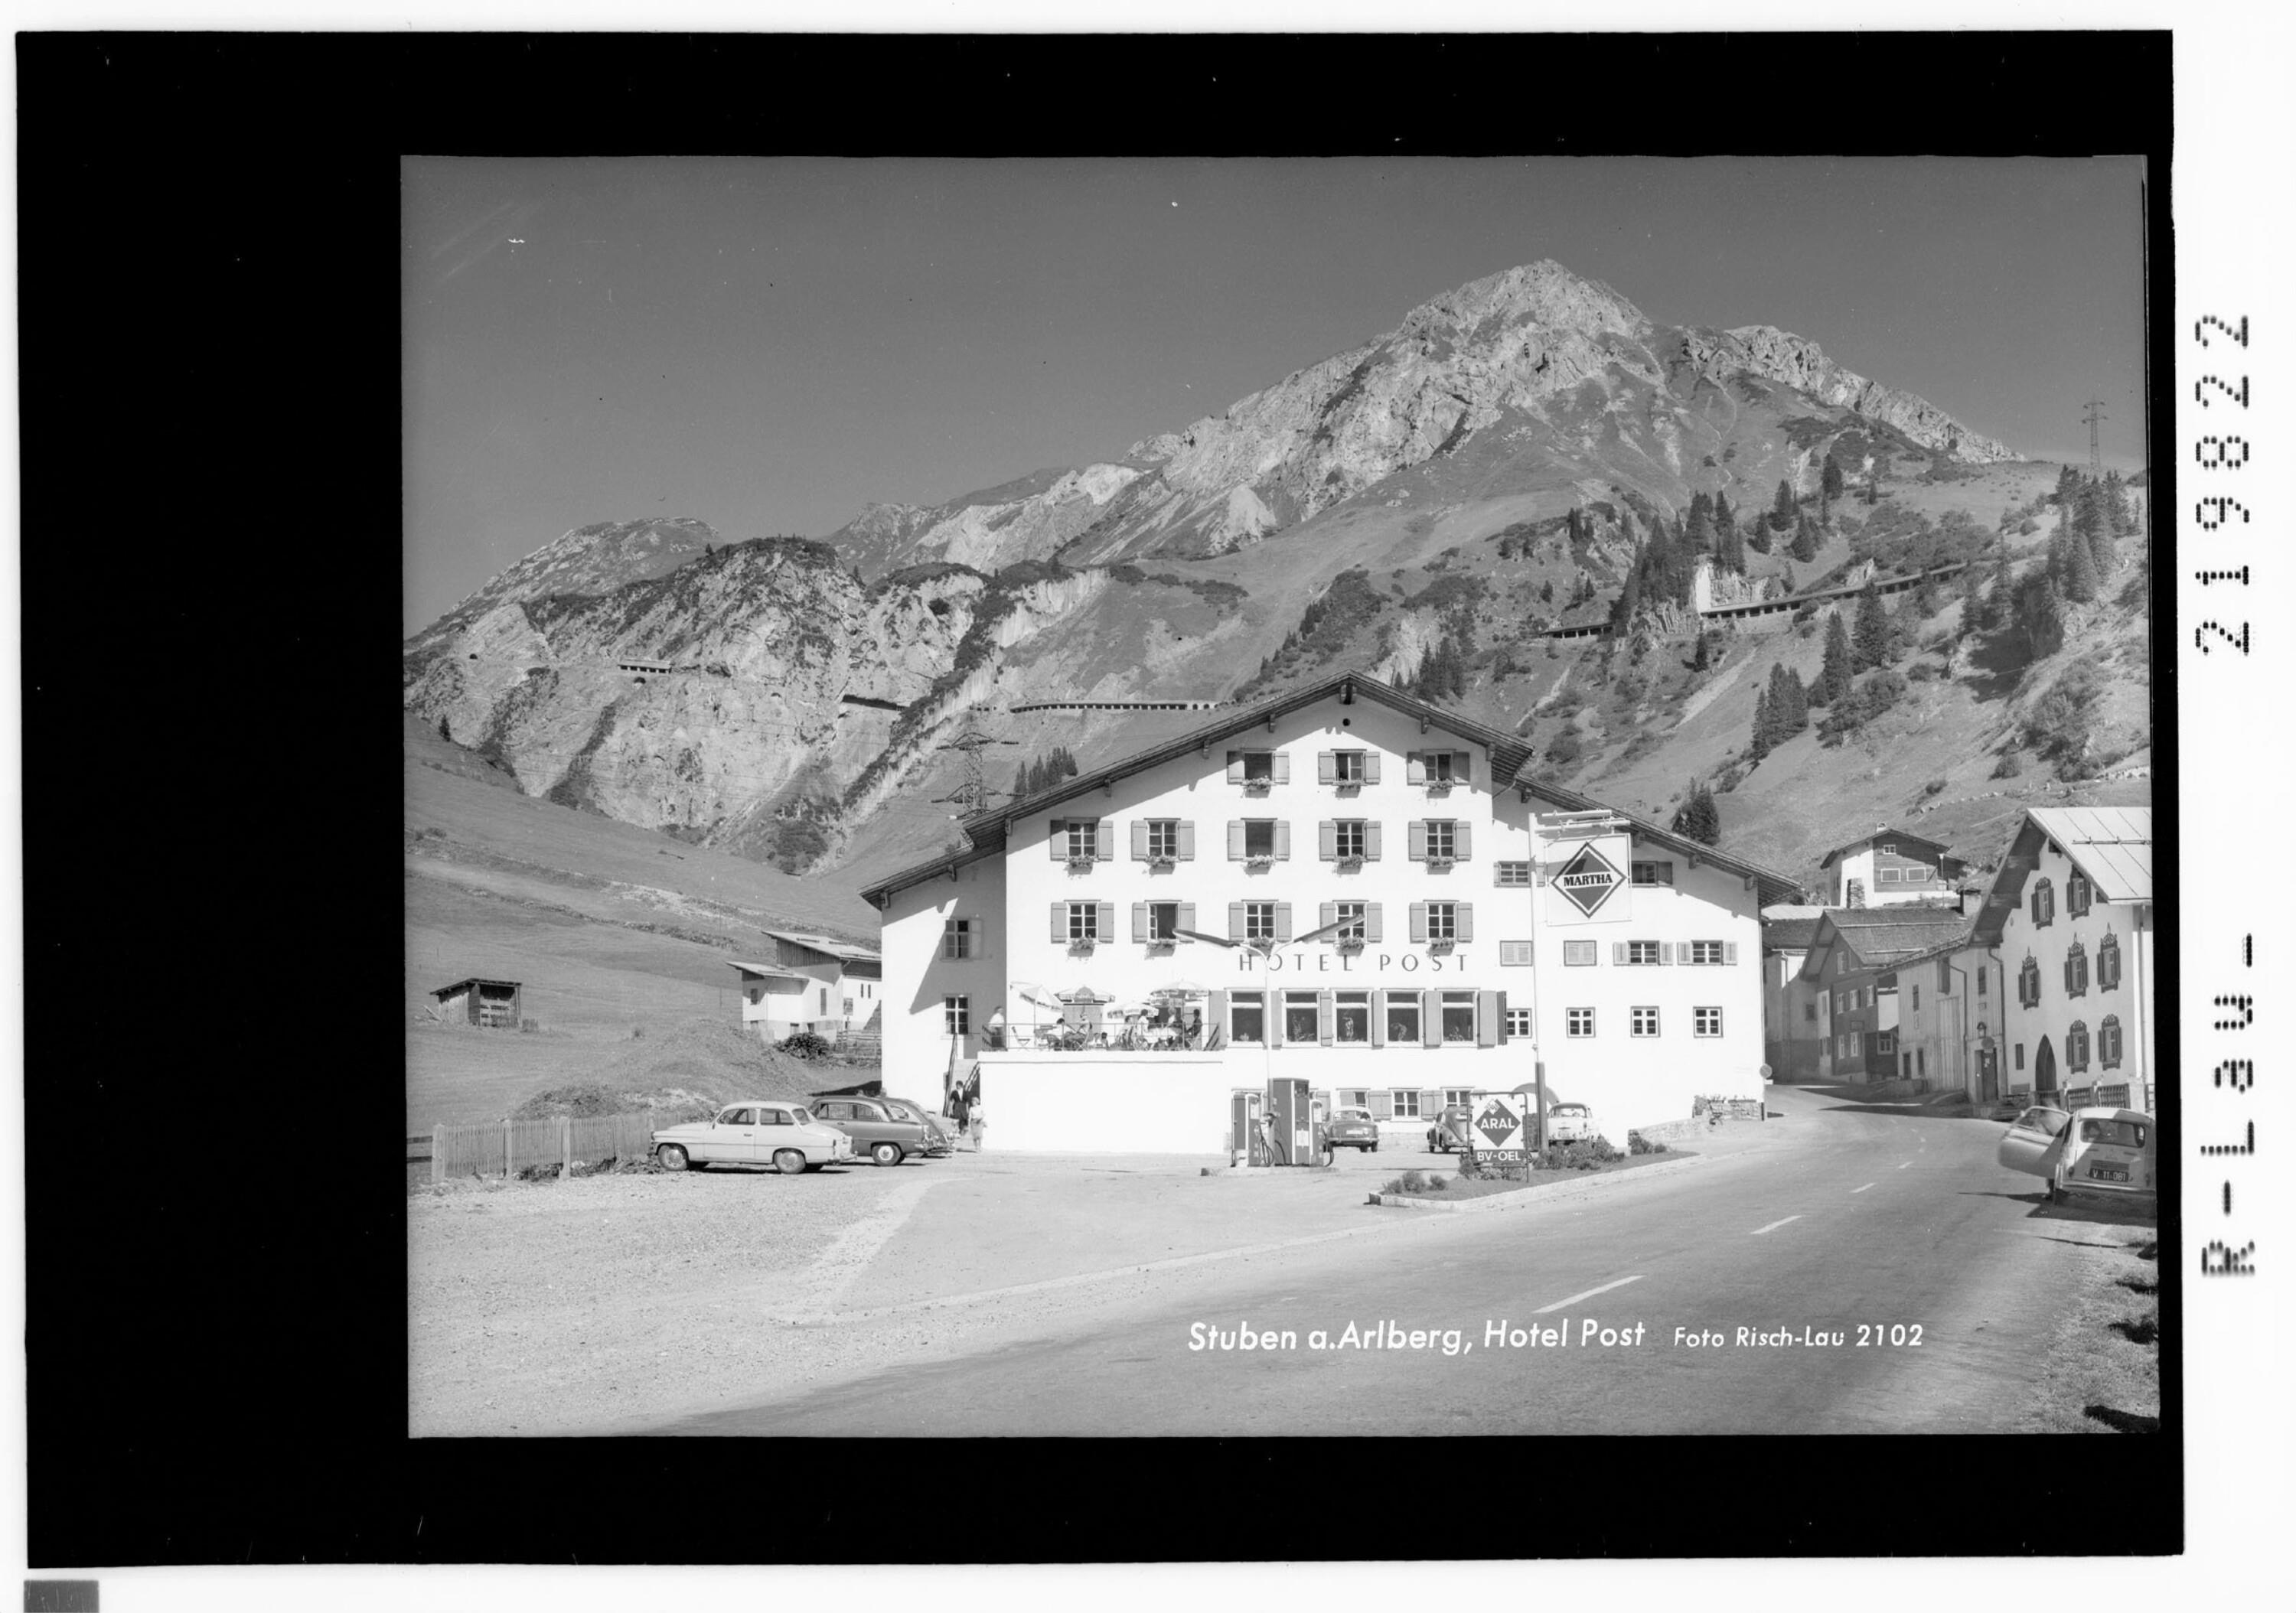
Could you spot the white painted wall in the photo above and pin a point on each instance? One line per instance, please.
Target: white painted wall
(2131, 923)
(917, 977)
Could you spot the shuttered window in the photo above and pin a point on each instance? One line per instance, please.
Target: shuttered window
(2028, 983)
(2077, 1046)
(1246, 1017)
(1653, 873)
(1399, 1013)
(1514, 954)
(2077, 893)
(2107, 1043)
(1351, 1019)
(2108, 961)
(2045, 903)
(1578, 954)
(1510, 874)
(2076, 970)
(1458, 1019)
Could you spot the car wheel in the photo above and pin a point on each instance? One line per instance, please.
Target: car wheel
(1374, 1147)
(672, 1157)
(789, 1161)
(885, 1153)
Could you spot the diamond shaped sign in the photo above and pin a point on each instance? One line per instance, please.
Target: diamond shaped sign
(1587, 879)
(1498, 1123)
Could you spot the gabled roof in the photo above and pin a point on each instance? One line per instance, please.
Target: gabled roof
(2112, 845)
(1787, 935)
(1510, 754)
(835, 949)
(772, 972)
(1882, 937)
(1886, 833)
(448, 991)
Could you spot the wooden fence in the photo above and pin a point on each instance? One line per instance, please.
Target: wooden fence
(503, 1148)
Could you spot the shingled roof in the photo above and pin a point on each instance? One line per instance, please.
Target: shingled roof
(1510, 754)
(1882, 938)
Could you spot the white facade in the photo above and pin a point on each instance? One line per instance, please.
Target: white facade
(2079, 972)
(802, 987)
(1458, 981)
(1887, 869)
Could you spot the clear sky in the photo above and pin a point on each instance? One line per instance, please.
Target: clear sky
(767, 345)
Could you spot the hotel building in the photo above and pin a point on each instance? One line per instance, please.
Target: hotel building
(1341, 884)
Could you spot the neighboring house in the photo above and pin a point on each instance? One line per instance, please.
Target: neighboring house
(2069, 918)
(1854, 958)
(810, 982)
(1888, 867)
(1341, 884)
(1794, 1021)
(496, 1005)
(1950, 1020)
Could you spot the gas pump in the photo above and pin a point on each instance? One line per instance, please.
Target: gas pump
(1294, 1129)
(1243, 1123)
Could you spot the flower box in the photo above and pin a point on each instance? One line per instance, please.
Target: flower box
(1260, 864)
(1350, 865)
(1162, 862)
(1441, 945)
(1258, 786)
(1082, 865)
(1349, 945)
(1440, 864)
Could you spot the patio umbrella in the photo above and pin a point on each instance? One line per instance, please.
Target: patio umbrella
(1182, 988)
(1135, 1005)
(1036, 997)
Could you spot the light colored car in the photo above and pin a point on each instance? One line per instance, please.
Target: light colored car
(2106, 1153)
(754, 1131)
(1352, 1128)
(1448, 1135)
(1570, 1123)
(2030, 1143)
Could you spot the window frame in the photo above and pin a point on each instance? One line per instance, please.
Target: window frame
(1721, 954)
(1343, 831)
(1343, 1004)
(1084, 923)
(1171, 931)
(1267, 826)
(1657, 954)
(1403, 1103)
(1447, 1004)
(1518, 1023)
(1360, 757)
(1264, 758)
(1523, 961)
(1256, 928)
(1446, 832)
(1592, 959)
(956, 939)
(1083, 838)
(1578, 1024)
(1168, 831)
(1510, 873)
(1661, 871)
(956, 1013)
(1442, 923)
(1247, 1002)
(1637, 1022)
(1698, 1019)
(1403, 1002)
(1357, 923)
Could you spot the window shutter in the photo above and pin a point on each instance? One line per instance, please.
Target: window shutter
(1327, 839)
(1188, 915)
(1430, 1103)
(1282, 921)
(1383, 1107)
(1729, 951)
(1414, 766)
(1463, 764)
(1419, 921)
(1187, 842)
(1503, 1017)
(1460, 840)
(1666, 952)
(1060, 921)
(1462, 921)
(1430, 1019)
(1282, 840)
(1416, 835)
(1106, 928)
(1058, 842)
(1139, 921)
(1371, 767)
(1325, 1016)
(1327, 768)
(1371, 841)
(1271, 1004)
(1372, 930)
(1103, 841)
(1215, 1020)
(1235, 766)
(1490, 1015)
(1140, 839)
(1235, 925)
(1283, 767)
(1378, 1019)
(1326, 914)
(2068, 975)
(1235, 840)
(1618, 951)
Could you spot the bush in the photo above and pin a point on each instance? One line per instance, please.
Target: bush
(805, 1044)
(1636, 1143)
(1435, 1184)
(2009, 766)
(1934, 787)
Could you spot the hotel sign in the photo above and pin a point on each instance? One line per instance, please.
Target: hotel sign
(1587, 881)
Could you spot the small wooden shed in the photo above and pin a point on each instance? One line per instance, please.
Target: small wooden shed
(495, 1005)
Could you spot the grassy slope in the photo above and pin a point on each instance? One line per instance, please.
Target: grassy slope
(501, 885)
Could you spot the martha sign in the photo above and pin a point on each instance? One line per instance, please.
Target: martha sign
(1587, 879)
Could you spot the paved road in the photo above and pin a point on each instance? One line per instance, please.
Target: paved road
(1917, 1281)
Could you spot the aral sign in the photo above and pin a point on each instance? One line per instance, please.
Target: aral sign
(1494, 1128)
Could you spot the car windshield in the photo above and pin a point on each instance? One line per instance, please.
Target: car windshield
(800, 1117)
(1571, 1109)
(2049, 1122)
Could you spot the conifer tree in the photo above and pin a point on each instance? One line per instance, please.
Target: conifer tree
(1781, 508)
(1764, 733)
(2080, 580)
(1698, 818)
(1547, 592)
(1701, 527)
(1825, 508)
(1793, 701)
(1872, 639)
(1830, 484)
(1805, 543)
(1834, 674)
(1702, 657)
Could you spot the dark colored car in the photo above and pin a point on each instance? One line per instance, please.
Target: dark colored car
(873, 1128)
(1352, 1128)
(938, 1140)
(1449, 1133)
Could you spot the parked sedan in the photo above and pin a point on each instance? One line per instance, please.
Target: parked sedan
(2032, 1143)
(2106, 1153)
(754, 1132)
(873, 1128)
(1570, 1123)
(1449, 1132)
(937, 1138)
(1353, 1129)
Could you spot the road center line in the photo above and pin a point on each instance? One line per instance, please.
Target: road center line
(1860, 1189)
(1903, 1166)
(1773, 1226)
(1589, 1294)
